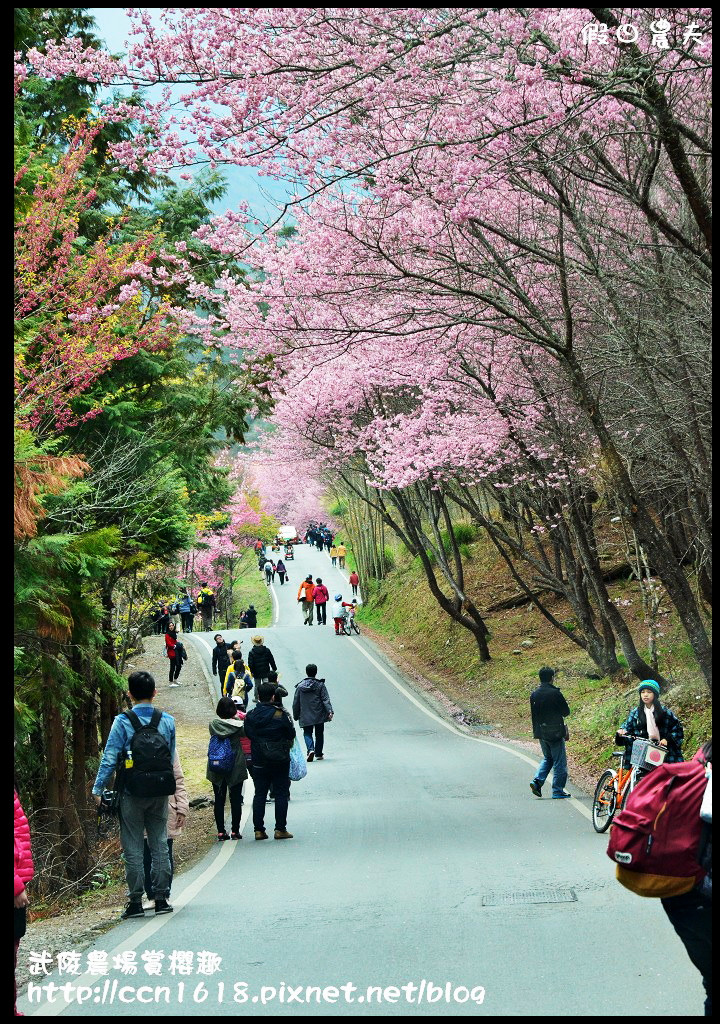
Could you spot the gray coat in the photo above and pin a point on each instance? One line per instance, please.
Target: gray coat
(311, 704)
(233, 728)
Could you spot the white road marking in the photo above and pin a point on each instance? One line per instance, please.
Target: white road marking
(452, 728)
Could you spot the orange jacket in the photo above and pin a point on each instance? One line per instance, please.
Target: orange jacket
(309, 590)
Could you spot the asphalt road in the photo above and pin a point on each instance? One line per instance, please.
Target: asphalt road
(418, 859)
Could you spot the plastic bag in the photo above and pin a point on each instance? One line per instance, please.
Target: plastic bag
(298, 762)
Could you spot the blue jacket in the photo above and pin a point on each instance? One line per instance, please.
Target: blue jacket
(185, 603)
(119, 740)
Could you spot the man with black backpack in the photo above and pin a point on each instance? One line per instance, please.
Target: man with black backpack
(271, 733)
(140, 751)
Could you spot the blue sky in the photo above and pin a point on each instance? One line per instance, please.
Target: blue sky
(244, 183)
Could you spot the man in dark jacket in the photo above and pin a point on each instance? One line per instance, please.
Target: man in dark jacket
(251, 617)
(548, 708)
(260, 662)
(271, 733)
(220, 657)
(312, 708)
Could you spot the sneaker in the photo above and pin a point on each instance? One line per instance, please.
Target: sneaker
(536, 788)
(235, 835)
(222, 836)
(282, 833)
(311, 755)
(132, 910)
(319, 757)
(562, 796)
(260, 833)
(163, 907)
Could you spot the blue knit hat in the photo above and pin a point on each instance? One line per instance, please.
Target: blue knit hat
(649, 684)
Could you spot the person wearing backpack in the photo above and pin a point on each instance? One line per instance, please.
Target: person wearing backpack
(652, 720)
(140, 751)
(226, 766)
(206, 603)
(178, 810)
(690, 914)
(661, 844)
(238, 682)
(271, 734)
(548, 709)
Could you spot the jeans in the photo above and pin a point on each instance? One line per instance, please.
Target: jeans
(282, 577)
(317, 746)
(175, 667)
(334, 559)
(138, 815)
(691, 917)
(236, 802)
(554, 758)
(321, 613)
(147, 864)
(354, 586)
(187, 621)
(276, 777)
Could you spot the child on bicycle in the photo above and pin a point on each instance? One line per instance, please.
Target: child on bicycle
(653, 720)
(340, 614)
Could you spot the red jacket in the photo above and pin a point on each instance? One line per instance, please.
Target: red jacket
(354, 579)
(24, 870)
(170, 642)
(320, 594)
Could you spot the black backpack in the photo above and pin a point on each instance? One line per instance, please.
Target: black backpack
(149, 769)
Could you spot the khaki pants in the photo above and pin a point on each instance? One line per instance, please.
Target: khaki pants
(308, 608)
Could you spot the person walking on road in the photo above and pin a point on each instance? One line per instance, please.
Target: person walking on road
(321, 596)
(305, 596)
(271, 733)
(333, 554)
(281, 570)
(146, 784)
(185, 607)
(312, 708)
(260, 662)
(354, 581)
(238, 682)
(342, 551)
(220, 657)
(269, 569)
(548, 708)
(178, 810)
(174, 651)
(227, 726)
(206, 604)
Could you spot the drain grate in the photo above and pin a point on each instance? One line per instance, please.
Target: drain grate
(503, 899)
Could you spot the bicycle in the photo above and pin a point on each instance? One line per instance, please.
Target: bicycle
(614, 787)
(350, 626)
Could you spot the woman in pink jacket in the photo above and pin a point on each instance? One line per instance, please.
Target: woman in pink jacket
(24, 871)
(321, 598)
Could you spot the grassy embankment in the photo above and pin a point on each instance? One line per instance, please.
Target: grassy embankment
(406, 616)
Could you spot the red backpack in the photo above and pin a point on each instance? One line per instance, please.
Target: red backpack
(654, 841)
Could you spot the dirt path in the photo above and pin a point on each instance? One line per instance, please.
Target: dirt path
(77, 926)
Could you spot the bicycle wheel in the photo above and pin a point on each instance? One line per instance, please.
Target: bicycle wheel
(604, 801)
(346, 627)
(354, 628)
